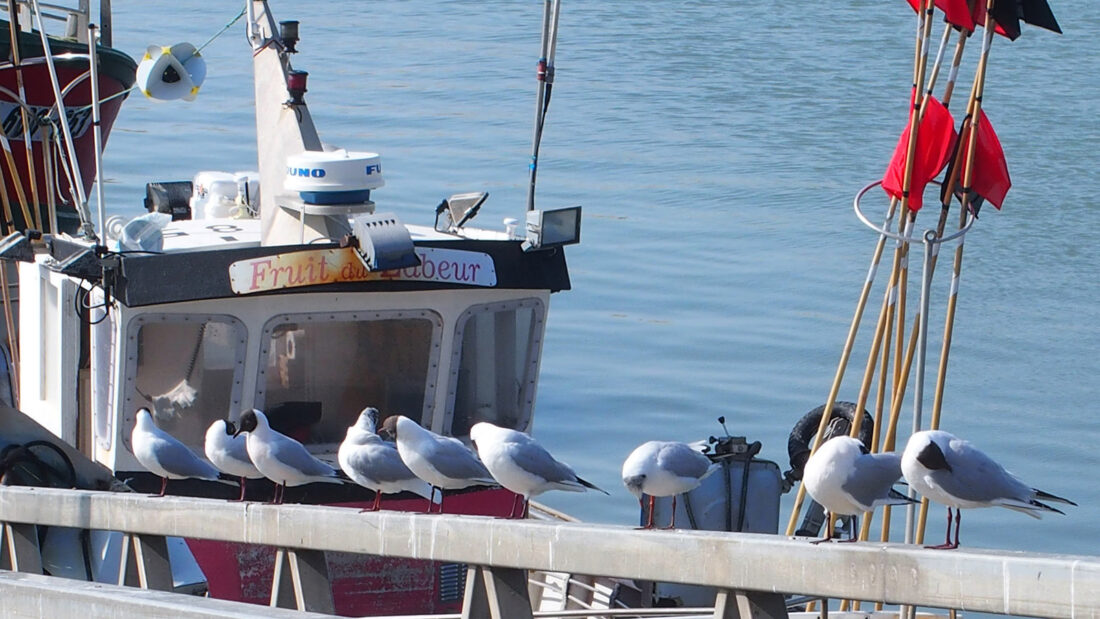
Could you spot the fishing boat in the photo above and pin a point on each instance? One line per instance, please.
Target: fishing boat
(292, 289)
(289, 289)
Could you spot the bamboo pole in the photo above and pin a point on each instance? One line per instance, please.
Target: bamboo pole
(16, 59)
(853, 329)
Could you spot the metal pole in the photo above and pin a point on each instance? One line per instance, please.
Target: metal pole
(87, 229)
(931, 248)
(545, 77)
(97, 133)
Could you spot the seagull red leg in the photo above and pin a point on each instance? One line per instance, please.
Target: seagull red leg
(828, 531)
(163, 485)
(672, 523)
(947, 545)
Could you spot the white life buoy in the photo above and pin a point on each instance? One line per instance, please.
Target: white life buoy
(167, 73)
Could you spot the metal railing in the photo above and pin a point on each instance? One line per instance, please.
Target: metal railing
(750, 571)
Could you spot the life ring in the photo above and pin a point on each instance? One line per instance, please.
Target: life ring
(167, 73)
(804, 432)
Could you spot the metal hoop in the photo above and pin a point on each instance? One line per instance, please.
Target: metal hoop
(900, 237)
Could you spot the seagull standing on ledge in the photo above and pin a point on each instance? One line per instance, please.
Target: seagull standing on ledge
(280, 458)
(665, 468)
(846, 480)
(522, 465)
(375, 464)
(165, 455)
(229, 452)
(951, 471)
(442, 461)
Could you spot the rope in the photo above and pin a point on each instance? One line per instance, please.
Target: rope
(224, 28)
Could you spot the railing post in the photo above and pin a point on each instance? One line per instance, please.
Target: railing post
(145, 562)
(749, 605)
(496, 593)
(301, 581)
(19, 551)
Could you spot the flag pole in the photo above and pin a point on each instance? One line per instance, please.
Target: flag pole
(973, 118)
(923, 25)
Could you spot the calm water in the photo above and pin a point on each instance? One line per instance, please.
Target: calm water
(716, 148)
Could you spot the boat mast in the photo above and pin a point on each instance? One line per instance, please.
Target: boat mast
(284, 127)
(550, 12)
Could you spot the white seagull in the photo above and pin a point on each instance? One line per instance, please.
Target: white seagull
(442, 461)
(665, 468)
(846, 480)
(229, 452)
(951, 471)
(375, 464)
(165, 455)
(522, 465)
(280, 458)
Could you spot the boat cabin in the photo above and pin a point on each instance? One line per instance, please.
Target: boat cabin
(203, 330)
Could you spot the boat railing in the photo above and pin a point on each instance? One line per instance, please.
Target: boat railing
(76, 16)
(750, 572)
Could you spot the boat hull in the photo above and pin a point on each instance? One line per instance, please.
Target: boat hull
(28, 105)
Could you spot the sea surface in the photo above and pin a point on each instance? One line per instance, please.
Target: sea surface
(716, 148)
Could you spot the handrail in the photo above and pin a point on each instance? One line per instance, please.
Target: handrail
(972, 579)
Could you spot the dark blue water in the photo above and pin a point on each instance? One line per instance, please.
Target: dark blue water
(716, 148)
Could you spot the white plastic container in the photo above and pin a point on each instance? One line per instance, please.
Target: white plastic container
(213, 195)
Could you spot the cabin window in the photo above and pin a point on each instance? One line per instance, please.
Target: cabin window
(187, 369)
(318, 371)
(496, 364)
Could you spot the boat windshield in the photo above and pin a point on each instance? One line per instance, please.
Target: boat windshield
(495, 377)
(318, 371)
(186, 368)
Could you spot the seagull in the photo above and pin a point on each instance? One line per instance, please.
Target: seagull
(280, 458)
(951, 471)
(665, 468)
(165, 455)
(442, 461)
(846, 480)
(375, 464)
(522, 465)
(229, 452)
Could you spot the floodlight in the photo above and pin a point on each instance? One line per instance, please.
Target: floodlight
(553, 228)
(460, 208)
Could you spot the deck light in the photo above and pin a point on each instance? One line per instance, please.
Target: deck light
(554, 228)
(296, 86)
(460, 208)
(288, 34)
(384, 242)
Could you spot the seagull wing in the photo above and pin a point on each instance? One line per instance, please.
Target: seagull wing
(869, 482)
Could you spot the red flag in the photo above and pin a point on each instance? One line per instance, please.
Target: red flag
(956, 12)
(935, 137)
(989, 178)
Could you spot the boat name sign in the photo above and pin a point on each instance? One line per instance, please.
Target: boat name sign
(330, 266)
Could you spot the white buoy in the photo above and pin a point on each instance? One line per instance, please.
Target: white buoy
(167, 73)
